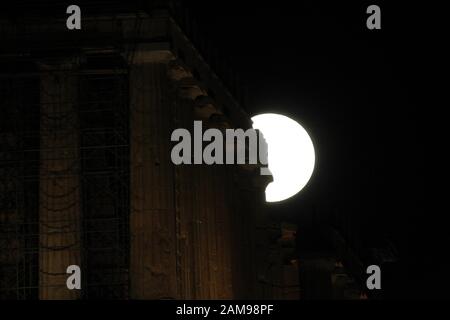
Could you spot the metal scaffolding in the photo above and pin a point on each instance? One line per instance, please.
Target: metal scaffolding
(64, 182)
(104, 145)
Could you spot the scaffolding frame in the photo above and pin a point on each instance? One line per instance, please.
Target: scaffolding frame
(104, 131)
(100, 120)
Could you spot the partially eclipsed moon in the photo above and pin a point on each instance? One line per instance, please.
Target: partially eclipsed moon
(290, 153)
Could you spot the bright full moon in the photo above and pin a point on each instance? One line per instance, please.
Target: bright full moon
(290, 153)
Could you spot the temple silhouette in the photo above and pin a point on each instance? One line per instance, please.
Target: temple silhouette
(85, 172)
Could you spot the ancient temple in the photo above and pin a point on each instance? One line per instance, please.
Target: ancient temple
(85, 171)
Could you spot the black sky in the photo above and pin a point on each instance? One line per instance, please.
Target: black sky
(355, 92)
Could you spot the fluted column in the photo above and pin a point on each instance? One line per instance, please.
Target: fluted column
(152, 221)
(59, 198)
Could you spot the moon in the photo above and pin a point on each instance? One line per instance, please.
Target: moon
(291, 155)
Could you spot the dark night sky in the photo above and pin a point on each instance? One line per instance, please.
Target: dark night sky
(347, 85)
(355, 91)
